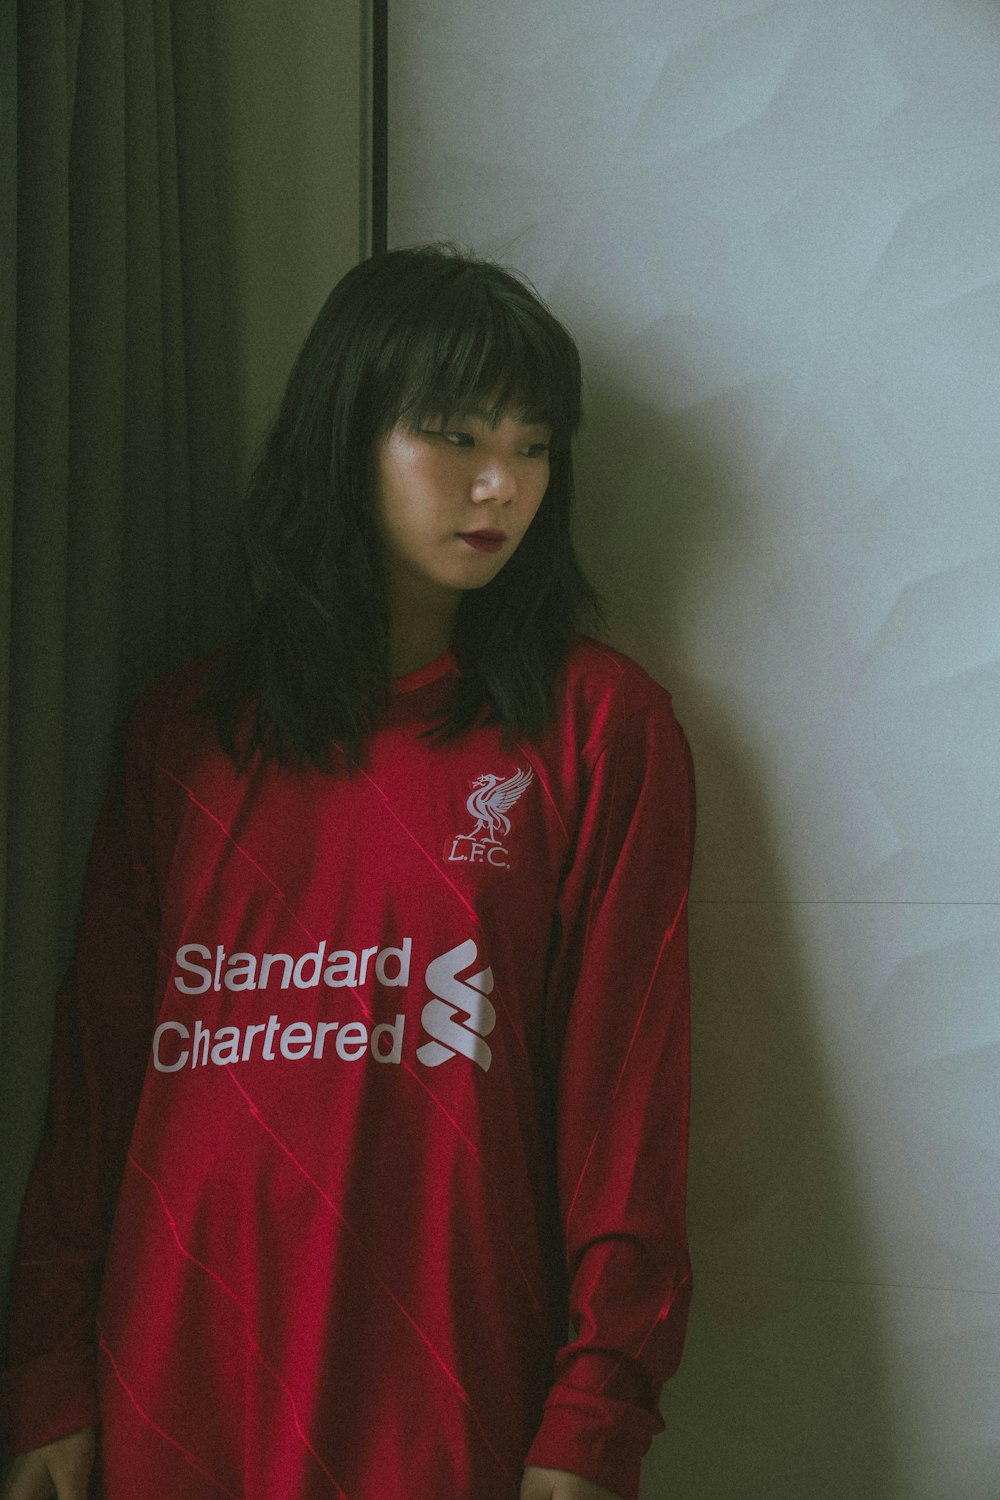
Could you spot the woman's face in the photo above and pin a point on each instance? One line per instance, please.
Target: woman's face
(454, 502)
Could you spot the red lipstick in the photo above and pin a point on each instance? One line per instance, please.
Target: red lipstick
(484, 541)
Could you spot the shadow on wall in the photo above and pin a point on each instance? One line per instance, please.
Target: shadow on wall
(783, 1389)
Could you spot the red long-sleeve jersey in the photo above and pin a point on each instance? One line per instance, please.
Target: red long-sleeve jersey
(365, 1160)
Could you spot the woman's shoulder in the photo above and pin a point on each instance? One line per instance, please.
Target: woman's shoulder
(597, 673)
(606, 697)
(175, 698)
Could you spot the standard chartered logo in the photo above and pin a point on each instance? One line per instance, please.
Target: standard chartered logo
(454, 997)
(458, 1018)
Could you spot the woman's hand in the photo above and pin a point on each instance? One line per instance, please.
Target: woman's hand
(557, 1484)
(61, 1469)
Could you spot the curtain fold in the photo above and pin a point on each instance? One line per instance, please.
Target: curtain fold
(117, 453)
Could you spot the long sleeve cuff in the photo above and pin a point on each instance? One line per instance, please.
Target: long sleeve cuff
(46, 1398)
(596, 1437)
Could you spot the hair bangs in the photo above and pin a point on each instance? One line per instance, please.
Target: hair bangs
(489, 353)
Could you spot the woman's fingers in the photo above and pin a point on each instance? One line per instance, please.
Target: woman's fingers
(70, 1461)
(27, 1478)
(72, 1475)
(60, 1469)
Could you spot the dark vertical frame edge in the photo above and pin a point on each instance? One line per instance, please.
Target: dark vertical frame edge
(376, 132)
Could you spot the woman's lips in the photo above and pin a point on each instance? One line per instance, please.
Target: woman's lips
(484, 541)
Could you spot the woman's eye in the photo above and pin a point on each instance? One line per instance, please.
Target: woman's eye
(458, 439)
(447, 435)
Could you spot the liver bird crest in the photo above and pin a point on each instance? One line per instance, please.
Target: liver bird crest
(491, 799)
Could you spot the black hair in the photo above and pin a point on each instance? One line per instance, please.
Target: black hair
(406, 336)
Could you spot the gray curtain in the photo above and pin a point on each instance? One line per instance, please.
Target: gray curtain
(117, 456)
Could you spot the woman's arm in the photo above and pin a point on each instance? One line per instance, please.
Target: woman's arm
(619, 1033)
(100, 1044)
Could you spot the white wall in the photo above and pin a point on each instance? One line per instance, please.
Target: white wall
(776, 230)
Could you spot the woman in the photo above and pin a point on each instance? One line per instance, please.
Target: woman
(371, 1070)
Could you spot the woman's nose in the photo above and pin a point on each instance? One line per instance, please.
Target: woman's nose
(495, 480)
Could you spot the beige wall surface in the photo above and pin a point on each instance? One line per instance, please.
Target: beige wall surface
(293, 82)
(776, 231)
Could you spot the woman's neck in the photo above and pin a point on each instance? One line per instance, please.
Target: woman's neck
(418, 638)
(411, 660)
